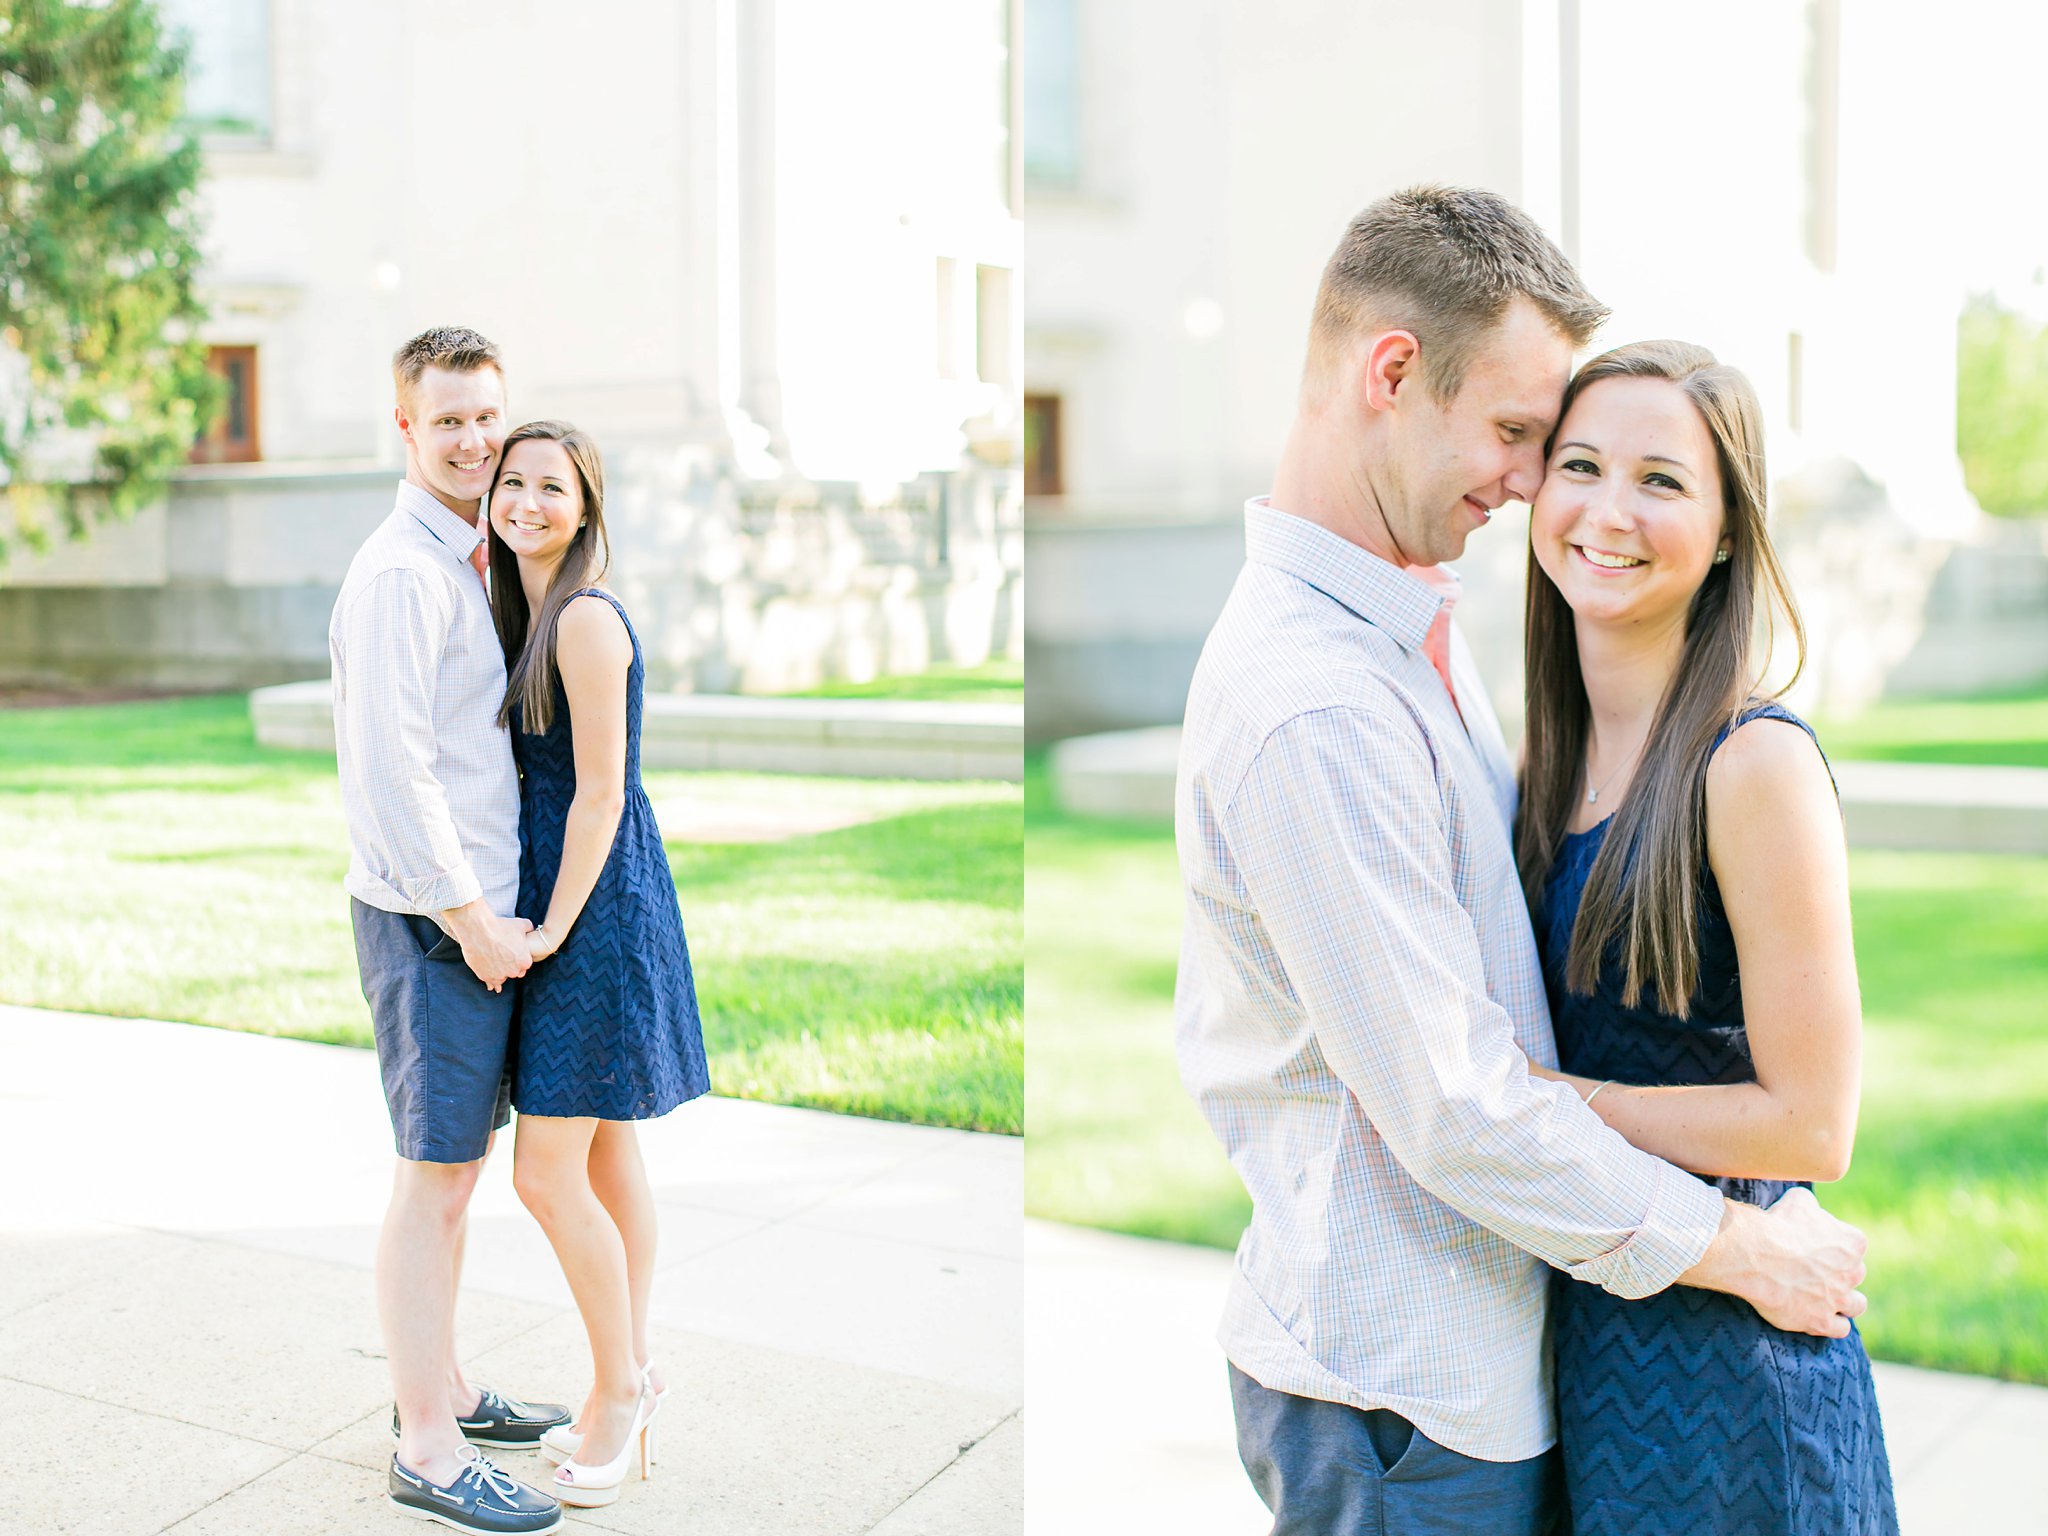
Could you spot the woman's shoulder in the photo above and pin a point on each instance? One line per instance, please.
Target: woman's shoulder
(1767, 759)
(593, 622)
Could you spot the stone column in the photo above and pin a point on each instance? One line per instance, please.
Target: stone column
(760, 374)
(705, 93)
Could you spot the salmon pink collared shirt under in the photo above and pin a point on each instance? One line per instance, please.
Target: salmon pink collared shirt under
(1436, 644)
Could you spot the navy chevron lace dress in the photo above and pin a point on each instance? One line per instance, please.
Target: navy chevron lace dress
(1685, 1413)
(608, 1023)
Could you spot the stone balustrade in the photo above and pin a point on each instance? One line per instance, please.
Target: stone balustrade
(860, 738)
(1128, 775)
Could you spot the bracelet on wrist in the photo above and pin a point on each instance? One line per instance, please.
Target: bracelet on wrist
(1596, 1090)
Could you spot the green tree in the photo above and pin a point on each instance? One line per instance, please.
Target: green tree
(2002, 408)
(103, 380)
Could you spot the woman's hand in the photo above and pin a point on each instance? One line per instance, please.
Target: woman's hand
(540, 943)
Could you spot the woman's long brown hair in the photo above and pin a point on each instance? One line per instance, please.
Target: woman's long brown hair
(529, 639)
(1642, 895)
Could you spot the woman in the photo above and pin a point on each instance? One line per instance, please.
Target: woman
(608, 1030)
(1681, 848)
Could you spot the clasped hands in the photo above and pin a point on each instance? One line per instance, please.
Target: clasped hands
(495, 948)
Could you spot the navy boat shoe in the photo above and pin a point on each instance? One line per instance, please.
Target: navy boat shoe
(482, 1498)
(500, 1421)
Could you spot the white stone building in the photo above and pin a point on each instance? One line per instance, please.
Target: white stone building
(1806, 188)
(766, 250)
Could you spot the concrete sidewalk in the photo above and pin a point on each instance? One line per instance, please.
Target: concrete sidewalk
(189, 1340)
(1131, 1428)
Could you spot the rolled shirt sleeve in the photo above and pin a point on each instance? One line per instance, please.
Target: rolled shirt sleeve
(392, 634)
(1337, 832)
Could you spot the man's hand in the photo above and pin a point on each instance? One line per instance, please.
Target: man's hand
(1796, 1264)
(492, 946)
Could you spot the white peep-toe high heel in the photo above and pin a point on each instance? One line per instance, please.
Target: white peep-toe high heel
(585, 1487)
(564, 1440)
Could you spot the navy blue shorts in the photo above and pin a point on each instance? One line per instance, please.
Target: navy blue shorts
(1327, 1469)
(443, 1038)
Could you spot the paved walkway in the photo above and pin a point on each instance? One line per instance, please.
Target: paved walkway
(1131, 1431)
(189, 1342)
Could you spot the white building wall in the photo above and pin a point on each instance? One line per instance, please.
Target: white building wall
(553, 183)
(1224, 145)
(1694, 223)
(888, 162)
(708, 231)
(1692, 180)
(405, 189)
(1818, 239)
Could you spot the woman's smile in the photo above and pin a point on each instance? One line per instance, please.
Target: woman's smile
(1606, 559)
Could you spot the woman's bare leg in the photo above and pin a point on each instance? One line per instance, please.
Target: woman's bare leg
(551, 1171)
(618, 1176)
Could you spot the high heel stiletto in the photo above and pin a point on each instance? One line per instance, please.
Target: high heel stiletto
(586, 1487)
(565, 1440)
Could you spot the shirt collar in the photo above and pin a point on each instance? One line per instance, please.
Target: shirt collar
(1401, 602)
(451, 530)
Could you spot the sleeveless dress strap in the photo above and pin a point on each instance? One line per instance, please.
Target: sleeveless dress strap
(1771, 709)
(607, 596)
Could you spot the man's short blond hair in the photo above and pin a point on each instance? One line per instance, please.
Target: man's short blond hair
(1443, 263)
(454, 348)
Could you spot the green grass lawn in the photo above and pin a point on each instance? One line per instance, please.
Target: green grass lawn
(155, 861)
(998, 681)
(1951, 1168)
(2010, 730)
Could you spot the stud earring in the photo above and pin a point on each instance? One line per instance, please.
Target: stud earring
(1720, 557)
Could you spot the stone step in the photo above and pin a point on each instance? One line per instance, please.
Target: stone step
(856, 738)
(1955, 808)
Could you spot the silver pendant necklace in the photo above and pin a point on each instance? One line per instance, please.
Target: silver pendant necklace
(1593, 795)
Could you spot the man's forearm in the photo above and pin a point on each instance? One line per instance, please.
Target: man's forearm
(466, 923)
(1729, 1262)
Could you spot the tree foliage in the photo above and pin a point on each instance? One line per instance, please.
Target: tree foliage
(2002, 409)
(103, 379)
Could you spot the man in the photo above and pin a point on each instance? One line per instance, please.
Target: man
(432, 800)
(1359, 982)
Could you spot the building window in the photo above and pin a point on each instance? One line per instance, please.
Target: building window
(992, 325)
(947, 320)
(1823, 131)
(1044, 471)
(227, 64)
(1009, 58)
(1795, 381)
(232, 438)
(1052, 118)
